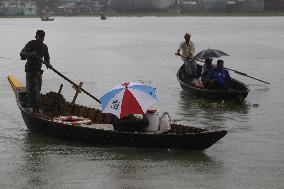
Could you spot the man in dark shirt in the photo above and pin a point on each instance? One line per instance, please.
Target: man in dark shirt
(219, 77)
(34, 50)
(206, 71)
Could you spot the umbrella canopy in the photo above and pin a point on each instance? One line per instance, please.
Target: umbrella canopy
(210, 53)
(128, 98)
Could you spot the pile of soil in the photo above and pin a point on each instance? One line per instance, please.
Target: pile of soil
(54, 104)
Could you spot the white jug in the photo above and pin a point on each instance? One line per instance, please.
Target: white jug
(153, 118)
(165, 122)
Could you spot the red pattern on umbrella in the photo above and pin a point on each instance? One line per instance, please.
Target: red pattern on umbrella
(130, 101)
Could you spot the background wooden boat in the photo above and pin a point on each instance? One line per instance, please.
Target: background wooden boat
(46, 18)
(103, 17)
(101, 132)
(237, 90)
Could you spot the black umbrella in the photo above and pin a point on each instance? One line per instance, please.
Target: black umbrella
(210, 53)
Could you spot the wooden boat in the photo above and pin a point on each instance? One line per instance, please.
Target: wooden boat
(237, 90)
(101, 130)
(46, 18)
(103, 17)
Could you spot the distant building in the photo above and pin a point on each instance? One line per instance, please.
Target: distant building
(79, 7)
(190, 5)
(154, 4)
(30, 9)
(11, 8)
(220, 5)
(140, 5)
(96, 7)
(18, 8)
(274, 5)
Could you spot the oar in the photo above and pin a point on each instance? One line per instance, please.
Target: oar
(237, 72)
(64, 77)
(244, 74)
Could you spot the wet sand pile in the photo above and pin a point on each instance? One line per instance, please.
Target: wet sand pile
(54, 104)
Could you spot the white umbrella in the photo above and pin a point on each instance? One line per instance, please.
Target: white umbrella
(128, 98)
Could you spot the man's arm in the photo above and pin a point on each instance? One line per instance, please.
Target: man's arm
(228, 75)
(203, 71)
(192, 48)
(179, 49)
(25, 53)
(178, 52)
(47, 58)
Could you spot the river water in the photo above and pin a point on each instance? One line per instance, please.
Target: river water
(104, 53)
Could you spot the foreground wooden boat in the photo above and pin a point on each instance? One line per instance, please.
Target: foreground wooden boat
(237, 90)
(100, 131)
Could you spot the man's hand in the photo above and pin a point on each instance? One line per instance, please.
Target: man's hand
(33, 55)
(48, 65)
(178, 54)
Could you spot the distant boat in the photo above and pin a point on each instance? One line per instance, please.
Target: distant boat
(103, 17)
(46, 18)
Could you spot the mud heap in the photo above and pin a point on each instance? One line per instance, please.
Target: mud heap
(54, 104)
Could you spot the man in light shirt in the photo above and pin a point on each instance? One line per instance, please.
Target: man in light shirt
(187, 51)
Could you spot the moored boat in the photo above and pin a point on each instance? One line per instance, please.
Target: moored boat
(99, 129)
(237, 90)
(46, 18)
(103, 16)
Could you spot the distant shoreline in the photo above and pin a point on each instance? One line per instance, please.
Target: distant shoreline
(168, 14)
(174, 14)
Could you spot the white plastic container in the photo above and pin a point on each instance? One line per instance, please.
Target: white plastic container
(153, 118)
(165, 122)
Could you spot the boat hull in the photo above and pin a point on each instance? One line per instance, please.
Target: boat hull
(239, 92)
(200, 141)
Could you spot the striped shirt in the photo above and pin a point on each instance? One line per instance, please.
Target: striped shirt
(187, 49)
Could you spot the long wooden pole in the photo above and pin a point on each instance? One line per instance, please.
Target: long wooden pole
(237, 72)
(67, 79)
(241, 73)
(244, 74)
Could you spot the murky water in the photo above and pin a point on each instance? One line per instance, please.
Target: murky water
(104, 53)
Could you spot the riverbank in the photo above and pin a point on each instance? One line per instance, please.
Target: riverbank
(168, 13)
(206, 14)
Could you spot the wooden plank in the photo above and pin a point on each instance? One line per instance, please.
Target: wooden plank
(78, 90)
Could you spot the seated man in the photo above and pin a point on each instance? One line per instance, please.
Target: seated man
(206, 71)
(219, 77)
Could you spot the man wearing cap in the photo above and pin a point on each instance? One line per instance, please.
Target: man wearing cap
(34, 50)
(188, 49)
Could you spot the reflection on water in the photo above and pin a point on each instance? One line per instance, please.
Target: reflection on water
(210, 114)
(188, 100)
(260, 87)
(43, 159)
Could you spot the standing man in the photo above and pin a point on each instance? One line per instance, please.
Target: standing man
(188, 49)
(34, 50)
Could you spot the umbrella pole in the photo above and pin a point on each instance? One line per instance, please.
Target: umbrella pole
(70, 81)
